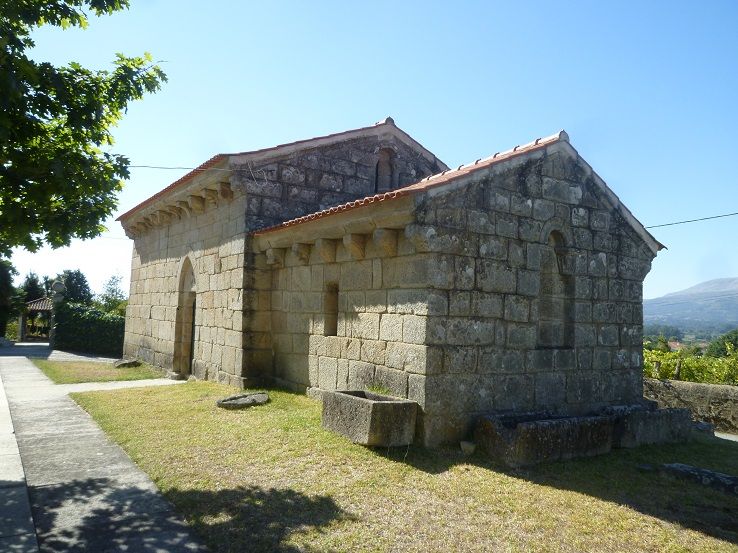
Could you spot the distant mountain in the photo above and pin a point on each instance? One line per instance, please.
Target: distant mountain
(710, 304)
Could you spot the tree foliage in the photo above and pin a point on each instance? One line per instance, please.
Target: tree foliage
(112, 299)
(7, 293)
(78, 289)
(722, 345)
(54, 124)
(31, 288)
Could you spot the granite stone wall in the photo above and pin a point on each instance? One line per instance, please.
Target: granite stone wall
(713, 403)
(379, 330)
(213, 240)
(541, 295)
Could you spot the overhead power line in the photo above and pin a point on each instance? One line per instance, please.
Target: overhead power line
(694, 220)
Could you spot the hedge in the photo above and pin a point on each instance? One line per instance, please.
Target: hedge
(86, 329)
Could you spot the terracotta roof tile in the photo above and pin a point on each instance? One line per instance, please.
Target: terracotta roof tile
(189, 176)
(41, 304)
(426, 183)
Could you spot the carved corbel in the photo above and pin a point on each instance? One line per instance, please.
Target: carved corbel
(211, 195)
(326, 249)
(225, 191)
(185, 207)
(197, 203)
(301, 252)
(355, 245)
(386, 240)
(275, 257)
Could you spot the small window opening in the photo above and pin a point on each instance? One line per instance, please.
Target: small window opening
(385, 172)
(330, 307)
(556, 301)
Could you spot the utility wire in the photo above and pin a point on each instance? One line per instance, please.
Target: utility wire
(694, 220)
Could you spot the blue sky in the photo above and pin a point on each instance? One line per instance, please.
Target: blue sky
(648, 93)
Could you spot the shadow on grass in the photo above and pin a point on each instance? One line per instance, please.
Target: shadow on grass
(104, 515)
(617, 478)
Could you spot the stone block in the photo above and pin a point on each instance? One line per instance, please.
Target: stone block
(328, 373)
(392, 379)
(408, 357)
(486, 304)
(390, 327)
(501, 361)
(460, 359)
(517, 308)
(360, 375)
(642, 427)
(373, 351)
(550, 390)
(370, 419)
(414, 329)
(493, 247)
(469, 331)
(495, 277)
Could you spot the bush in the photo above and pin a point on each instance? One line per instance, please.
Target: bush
(82, 328)
(694, 368)
(11, 331)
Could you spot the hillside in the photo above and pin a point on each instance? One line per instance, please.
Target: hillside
(709, 305)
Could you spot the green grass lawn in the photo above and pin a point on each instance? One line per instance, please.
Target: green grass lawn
(73, 372)
(269, 478)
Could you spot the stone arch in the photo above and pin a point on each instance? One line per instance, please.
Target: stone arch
(556, 299)
(385, 177)
(184, 331)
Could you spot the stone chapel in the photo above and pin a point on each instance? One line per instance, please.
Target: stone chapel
(359, 259)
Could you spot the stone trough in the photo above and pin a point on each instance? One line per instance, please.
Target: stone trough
(370, 419)
(521, 439)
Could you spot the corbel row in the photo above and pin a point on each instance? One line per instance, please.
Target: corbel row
(354, 244)
(179, 209)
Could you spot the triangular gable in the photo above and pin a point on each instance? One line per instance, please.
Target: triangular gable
(439, 182)
(222, 162)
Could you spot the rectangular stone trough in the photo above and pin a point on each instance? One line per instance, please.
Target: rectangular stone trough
(527, 439)
(370, 419)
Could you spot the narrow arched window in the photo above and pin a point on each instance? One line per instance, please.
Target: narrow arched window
(556, 301)
(385, 171)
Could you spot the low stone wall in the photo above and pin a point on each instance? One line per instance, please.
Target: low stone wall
(713, 403)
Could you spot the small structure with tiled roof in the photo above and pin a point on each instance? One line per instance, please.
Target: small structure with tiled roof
(359, 259)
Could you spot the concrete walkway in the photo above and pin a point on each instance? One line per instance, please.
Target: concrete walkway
(63, 485)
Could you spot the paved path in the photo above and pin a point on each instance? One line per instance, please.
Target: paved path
(85, 492)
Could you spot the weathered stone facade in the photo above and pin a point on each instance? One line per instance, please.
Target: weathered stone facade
(512, 284)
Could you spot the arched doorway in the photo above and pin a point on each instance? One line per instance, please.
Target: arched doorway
(184, 333)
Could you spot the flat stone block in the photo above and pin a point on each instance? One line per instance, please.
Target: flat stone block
(371, 419)
(642, 427)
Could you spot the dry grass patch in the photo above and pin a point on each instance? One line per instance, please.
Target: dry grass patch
(270, 479)
(73, 372)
